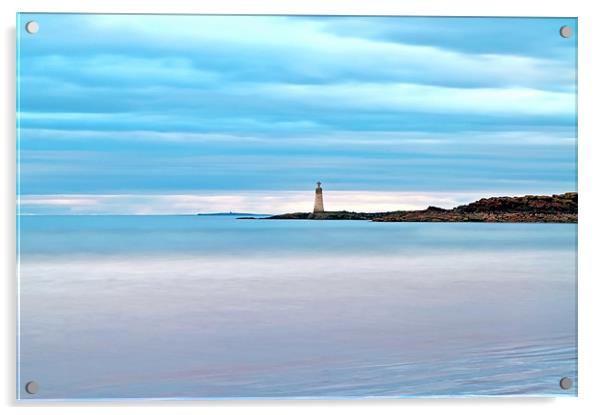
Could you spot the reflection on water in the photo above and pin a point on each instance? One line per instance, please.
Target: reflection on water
(184, 306)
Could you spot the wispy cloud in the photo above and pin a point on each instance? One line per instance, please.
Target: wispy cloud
(430, 99)
(316, 139)
(322, 53)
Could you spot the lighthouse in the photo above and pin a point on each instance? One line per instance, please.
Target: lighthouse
(319, 201)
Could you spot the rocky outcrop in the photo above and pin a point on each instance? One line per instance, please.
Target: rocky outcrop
(555, 204)
(337, 215)
(548, 209)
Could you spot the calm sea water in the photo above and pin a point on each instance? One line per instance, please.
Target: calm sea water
(214, 307)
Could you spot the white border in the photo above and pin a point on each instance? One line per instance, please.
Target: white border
(590, 229)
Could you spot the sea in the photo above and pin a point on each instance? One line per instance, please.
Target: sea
(214, 307)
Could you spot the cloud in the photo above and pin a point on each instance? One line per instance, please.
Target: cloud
(429, 99)
(534, 37)
(268, 46)
(84, 161)
(201, 50)
(324, 139)
(184, 104)
(254, 74)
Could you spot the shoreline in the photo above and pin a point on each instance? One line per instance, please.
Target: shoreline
(562, 208)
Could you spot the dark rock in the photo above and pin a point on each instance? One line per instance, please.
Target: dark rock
(548, 209)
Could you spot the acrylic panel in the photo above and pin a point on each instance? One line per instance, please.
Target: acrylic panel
(218, 207)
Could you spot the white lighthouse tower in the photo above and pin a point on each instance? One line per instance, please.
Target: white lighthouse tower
(319, 201)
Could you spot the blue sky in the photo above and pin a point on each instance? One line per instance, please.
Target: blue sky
(184, 114)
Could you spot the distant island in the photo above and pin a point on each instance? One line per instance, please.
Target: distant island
(231, 214)
(551, 209)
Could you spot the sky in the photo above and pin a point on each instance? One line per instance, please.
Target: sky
(151, 114)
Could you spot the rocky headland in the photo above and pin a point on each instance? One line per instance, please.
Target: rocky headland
(551, 209)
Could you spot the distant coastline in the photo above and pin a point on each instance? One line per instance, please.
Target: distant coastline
(560, 208)
(232, 214)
